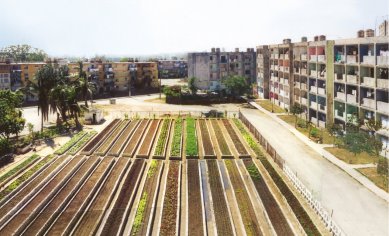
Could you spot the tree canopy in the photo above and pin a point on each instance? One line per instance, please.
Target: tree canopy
(236, 85)
(23, 53)
(11, 121)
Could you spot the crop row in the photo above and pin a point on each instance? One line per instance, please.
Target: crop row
(97, 140)
(18, 169)
(235, 139)
(303, 217)
(135, 139)
(245, 206)
(103, 149)
(77, 146)
(225, 151)
(223, 223)
(207, 143)
(191, 138)
(160, 149)
(147, 143)
(119, 144)
(170, 204)
(175, 150)
(195, 216)
(70, 143)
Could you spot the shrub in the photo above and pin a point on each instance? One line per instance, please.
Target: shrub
(5, 147)
(302, 124)
(383, 166)
(315, 132)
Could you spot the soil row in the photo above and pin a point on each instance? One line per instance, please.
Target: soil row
(93, 216)
(242, 152)
(170, 216)
(119, 144)
(124, 200)
(92, 145)
(207, 143)
(145, 148)
(133, 142)
(160, 149)
(107, 143)
(223, 146)
(195, 216)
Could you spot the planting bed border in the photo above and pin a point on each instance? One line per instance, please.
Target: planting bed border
(165, 200)
(123, 138)
(83, 227)
(172, 157)
(110, 140)
(81, 143)
(221, 139)
(96, 141)
(235, 139)
(205, 135)
(135, 140)
(149, 139)
(195, 139)
(166, 140)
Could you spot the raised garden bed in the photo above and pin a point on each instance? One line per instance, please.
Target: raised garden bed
(222, 216)
(192, 150)
(31, 179)
(273, 210)
(195, 215)
(176, 147)
(147, 144)
(66, 220)
(92, 145)
(133, 142)
(124, 201)
(246, 208)
(302, 216)
(90, 221)
(160, 149)
(170, 210)
(76, 147)
(4, 179)
(34, 205)
(56, 204)
(119, 144)
(207, 142)
(145, 211)
(105, 146)
(223, 146)
(70, 143)
(242, 152)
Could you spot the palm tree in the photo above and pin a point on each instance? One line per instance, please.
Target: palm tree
(84, 87)
(74, 108)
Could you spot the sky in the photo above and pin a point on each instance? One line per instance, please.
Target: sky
(150, 27)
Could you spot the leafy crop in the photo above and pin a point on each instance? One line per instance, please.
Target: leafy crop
(76, 147)
(70, 143)
(176, 145)
(19, 167)
(159, 150)
(191, 139)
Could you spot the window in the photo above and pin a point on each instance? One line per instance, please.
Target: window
(223, 59)
(247, 72)
(211, 58)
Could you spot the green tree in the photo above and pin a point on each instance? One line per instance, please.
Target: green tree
(192, 85)
(23, 53)
(12, 121)
(334, 130)
(357, 142)
(296, 109)
(236, 85)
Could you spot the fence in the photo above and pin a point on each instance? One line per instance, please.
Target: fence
(159, 114)
(315, 204)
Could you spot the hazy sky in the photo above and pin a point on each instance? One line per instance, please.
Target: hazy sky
(129, 27)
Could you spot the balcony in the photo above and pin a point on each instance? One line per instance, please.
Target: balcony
(352, 99)
(368, 81)
(303, 57)
(352, 79)
(303, 71)
(351, 59)
(383, 83)
(272, 67)
(313, 58)
(276, 67)
(340, 77)
(286, 82)
(304, 101)
(322, 108)
(383, 107)
(321, 91)
(281, 68)
(297, 85)
(314, 120)
(303, 86)
(313, 105)
(341, 96)
(321, 58)
(340, 115)
(383, 60)
(286, 57)
(313, 73)
(368, 60)
(368, 102)
(313, 89)
(282, 56)
(322, 124)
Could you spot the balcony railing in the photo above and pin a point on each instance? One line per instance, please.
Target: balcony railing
(304, 101)
(314, 120)
(351, 98)
(368, 81)
(340, 95)
(383, 83)
(368, 102)
(281, 68)
(321, 58)
(303, 71)
(383, 107)
(282, 56)
(322, 124)
(303, 86)
(340, 77)
(370, 60)
(352, 79)
(303, 57)
(313, 58)
(351, 59)
(297, 85)
(313, 73)
(272, 67)
(382, 60)
(321, 91)
(313, 89)
(322, 107)
(313, 105)
(340, 115)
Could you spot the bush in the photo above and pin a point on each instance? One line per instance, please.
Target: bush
(315, 132)
(383, 166)
(302, 124)
(5, 147)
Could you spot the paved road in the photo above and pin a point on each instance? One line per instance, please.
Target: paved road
(355, 209)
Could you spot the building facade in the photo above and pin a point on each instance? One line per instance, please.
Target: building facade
(211, 67)
(172, 69)
(333, 80)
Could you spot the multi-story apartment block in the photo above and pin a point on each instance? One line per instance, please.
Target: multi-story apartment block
(333, 80)
(5, 77)
(172, 69)
(211, 67)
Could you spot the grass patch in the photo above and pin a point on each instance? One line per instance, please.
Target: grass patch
(380, 180)
(267, 105)
(290, 119)
(350, 158)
